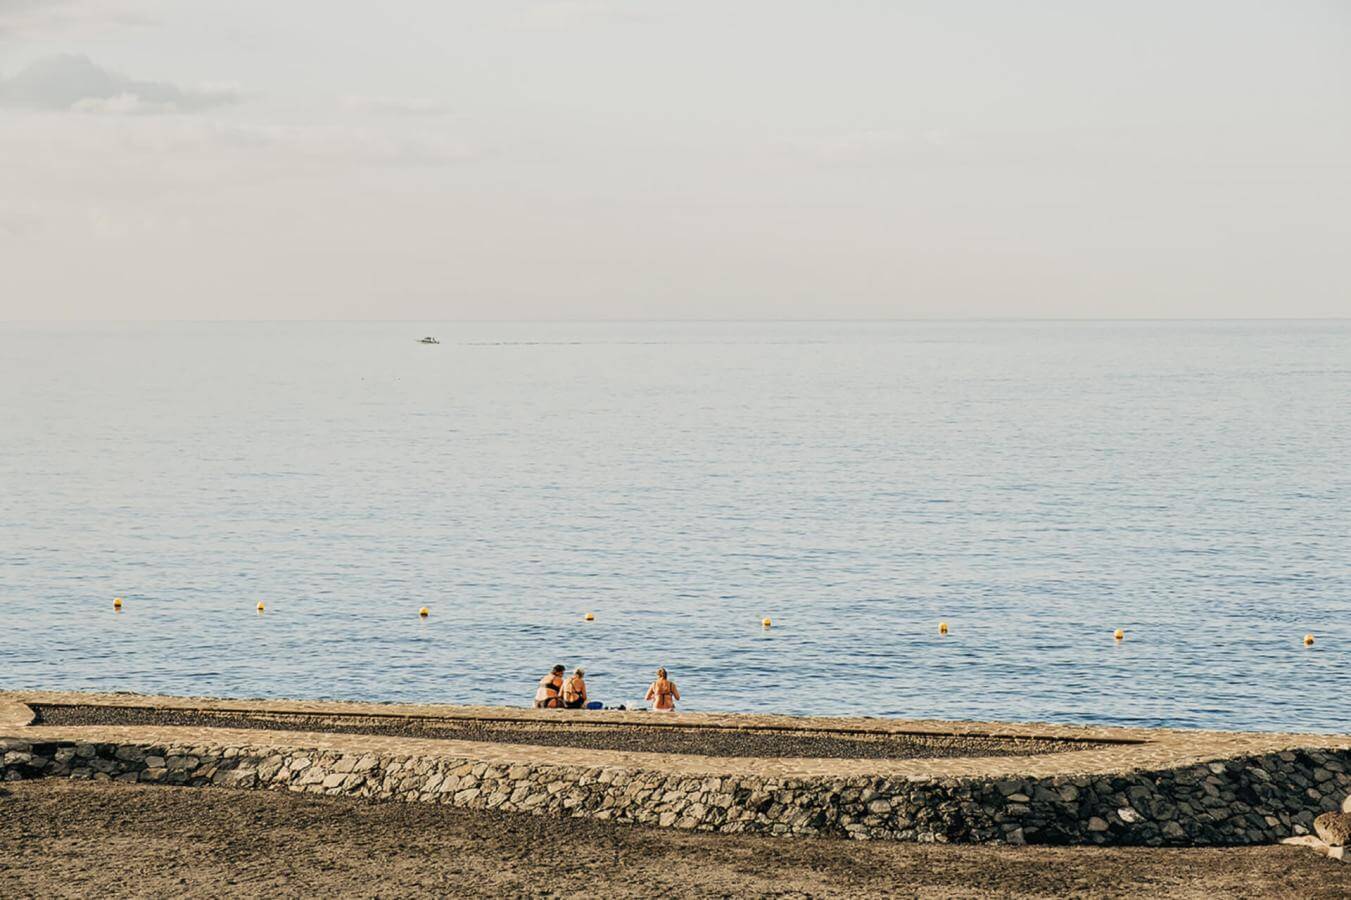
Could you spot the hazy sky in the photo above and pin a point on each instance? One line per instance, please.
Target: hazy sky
(432, 159)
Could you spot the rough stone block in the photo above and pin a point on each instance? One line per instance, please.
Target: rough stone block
(1334, 828)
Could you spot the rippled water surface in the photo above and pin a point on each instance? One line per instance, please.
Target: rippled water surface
(1035, 485)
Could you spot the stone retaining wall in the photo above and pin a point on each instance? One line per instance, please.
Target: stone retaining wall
(1244, 800)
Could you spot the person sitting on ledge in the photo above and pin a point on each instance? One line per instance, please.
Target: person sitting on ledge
(550, 686)
(574, 690)
(663, 693)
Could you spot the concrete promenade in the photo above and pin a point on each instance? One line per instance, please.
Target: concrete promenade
(1076, 785)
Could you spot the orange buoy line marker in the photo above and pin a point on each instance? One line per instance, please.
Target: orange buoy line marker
(424, 612)
(1308, 640)
(942, 627)
(261, 607)
(1119, 634)
(590, 617)
(767, 622)
(117, 603)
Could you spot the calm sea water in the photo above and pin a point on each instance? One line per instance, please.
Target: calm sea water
(1035, 485)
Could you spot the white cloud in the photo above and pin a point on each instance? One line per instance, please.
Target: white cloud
(17, 223)
(107, 225)
(201, 146)
(345, 145)
(875, 145)
(306, 144)
(16, 12)
(39, 17)
(560, 14)
(75, 82)
(399, 106)
(122, 104)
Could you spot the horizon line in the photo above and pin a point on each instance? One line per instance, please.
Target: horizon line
(703, 320)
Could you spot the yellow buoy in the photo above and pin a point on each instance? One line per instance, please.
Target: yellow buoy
(424, 612)
(767, 621)
(1308, 640)
(1119, 634)
(260, 606)
(117, 603)
(591, 617)
(942, 627)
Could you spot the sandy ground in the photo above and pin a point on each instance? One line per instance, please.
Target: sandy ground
(655, 739)
(81, 839)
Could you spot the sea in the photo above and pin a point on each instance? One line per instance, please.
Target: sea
(1036, 485)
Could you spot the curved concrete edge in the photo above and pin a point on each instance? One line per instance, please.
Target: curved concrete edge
(711, 720)
(15, 714)
(1148, 750)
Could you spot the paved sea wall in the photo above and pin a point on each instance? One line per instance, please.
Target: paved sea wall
(1241, 800)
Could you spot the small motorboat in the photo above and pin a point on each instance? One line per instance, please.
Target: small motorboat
(429, 340)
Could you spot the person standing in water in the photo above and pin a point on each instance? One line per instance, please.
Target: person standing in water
(550, 687)
(663, 693)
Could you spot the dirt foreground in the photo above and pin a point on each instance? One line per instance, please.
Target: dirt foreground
(82, 839)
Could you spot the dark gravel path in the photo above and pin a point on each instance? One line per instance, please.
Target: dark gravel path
(81, 839)
(654, 738)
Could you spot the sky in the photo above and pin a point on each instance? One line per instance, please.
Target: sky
(674, 159)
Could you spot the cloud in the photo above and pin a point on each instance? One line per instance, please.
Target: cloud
(876, 145)
(551, 15)
(106, 225)
(307, 145)
(13, 8)
(204, 146)
(320, 144)
(17, 223)
(74, 82)
(28, 17)
(122, 104)
(398, 106)
(13, 12)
